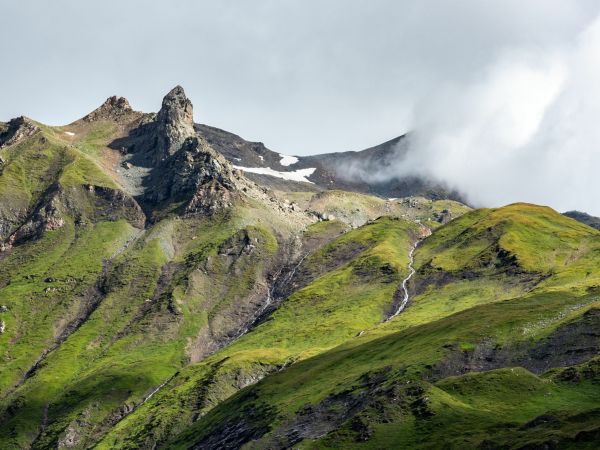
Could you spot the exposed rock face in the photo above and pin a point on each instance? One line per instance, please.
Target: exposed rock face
(18, 129)
(47, 217)
(112, 205)
(197, 175)
(175, 122)
(114, 108)
(106, 205)
(571, 343)
(184, 172)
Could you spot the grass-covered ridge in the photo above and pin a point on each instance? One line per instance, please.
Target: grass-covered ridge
(356, 209)
(534, 238)
(490, 255)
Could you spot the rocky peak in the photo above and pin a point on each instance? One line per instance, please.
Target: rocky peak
(113, 108)
(18, 129)
(175, 122)
(185, 173)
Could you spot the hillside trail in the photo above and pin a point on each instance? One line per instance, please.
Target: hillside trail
(423, 233)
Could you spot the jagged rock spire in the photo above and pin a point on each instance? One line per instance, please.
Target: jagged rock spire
(175, 122)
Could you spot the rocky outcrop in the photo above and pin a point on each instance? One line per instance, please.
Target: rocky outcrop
(179, 161)
(182, 166)
(114, 108)
(583, 217)
(46, 217)
(174, 122)
(112, 205)
(195, 175)
(18, 129)
(571, 343)
(88, 203)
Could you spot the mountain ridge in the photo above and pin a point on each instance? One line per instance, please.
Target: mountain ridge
(253, 155)
(153, 295)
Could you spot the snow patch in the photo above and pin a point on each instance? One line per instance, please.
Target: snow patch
(296, 175)
(287, 160)
(261, 158)
(69, 133)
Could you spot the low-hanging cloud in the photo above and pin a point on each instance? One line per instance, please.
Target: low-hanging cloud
(527, 131)
(525, 128)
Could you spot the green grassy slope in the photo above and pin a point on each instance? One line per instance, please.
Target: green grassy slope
(332, 309)
(390, 388)
(384, 392)
(43, 280)
(64, 238)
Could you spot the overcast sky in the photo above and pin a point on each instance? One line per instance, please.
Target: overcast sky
(502, 96)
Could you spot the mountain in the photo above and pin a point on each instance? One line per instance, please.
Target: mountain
(325, 171)
(155, 292)
(582, 217)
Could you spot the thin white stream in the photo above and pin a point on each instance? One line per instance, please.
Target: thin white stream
(411, 272)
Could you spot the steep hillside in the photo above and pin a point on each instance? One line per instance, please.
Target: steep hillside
(340, 290)
(108, 287)
(485, 360)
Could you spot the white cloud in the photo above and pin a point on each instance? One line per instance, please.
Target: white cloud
(527, 131)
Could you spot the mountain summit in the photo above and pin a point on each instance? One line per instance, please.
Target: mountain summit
(175, 122)
(114, 108)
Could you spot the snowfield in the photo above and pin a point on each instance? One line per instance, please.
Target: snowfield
(287, 160)
(296, 175)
